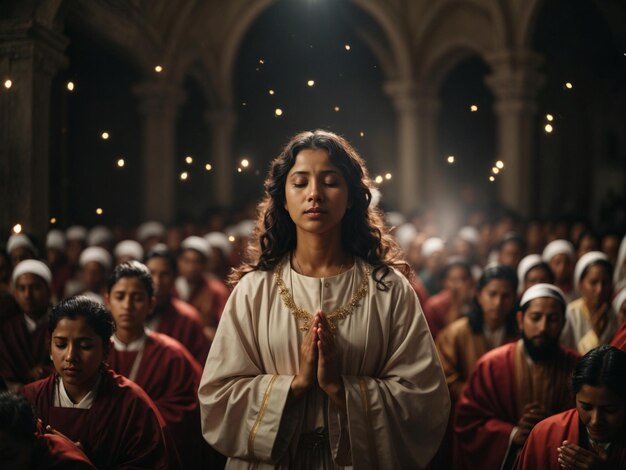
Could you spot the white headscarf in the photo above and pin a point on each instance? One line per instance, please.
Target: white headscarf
(556, 247)
(619, 273)
(582, 264)
(32, 266)
(526, 264)
(543, 290)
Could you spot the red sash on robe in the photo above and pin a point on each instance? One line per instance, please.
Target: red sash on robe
(123, 428)
(540, 451)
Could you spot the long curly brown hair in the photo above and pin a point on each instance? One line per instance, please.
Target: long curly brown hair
(363, 232)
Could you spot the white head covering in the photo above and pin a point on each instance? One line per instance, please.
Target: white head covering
(98, 235)
(432, 245)
(18, 240)
(619, 273)
(376, 197)
(198, 244)
(97, 254)
(469, 234)
(543, 290)
(76, 232)
(394, 219)
(526, 264)
(130, 248)
(245, 228)
(556, 247)
(584, 261)
(619, 300)
(219, 240)
(32, 266)
(56, 240)
(150, 229)
(405, 234)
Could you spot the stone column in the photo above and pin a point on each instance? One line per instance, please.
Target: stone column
(30, 56)
(416, 111)
(514, 83)
(410, 166)
(222, 123)
(159, 104)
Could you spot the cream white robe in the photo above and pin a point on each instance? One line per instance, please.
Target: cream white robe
(578, 333)
(396, 394)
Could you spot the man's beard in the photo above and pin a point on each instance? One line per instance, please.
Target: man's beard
(540, 353)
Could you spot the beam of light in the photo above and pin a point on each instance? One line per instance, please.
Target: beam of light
(245, 163)
(473, 108)
(271, 92)
(311, 83)
(548, 128)
(337, 109)
(121, 163)
(347, 48)
(239, 170)
(158, 69)
(231, 238)
(105, 135)
(208, 167)
(99, 211)
(569, 85)
(8, 83)
(17, 228)
(362, 134)
(500, 164)
(70, 86)
(550, 117)
(492, 178)
(387, 176)
(184, 175)
(278, 112)
(450, 159)
(53, 220)
(188, 159)
(495, 170)
(379, 179)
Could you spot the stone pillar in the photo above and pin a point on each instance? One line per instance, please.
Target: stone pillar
(410, 166)
(514, 83)
(30, 56)
(159, 104)
(416, 111)
(222, 123)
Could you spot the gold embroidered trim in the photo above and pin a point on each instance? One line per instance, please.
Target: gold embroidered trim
(334, 316)
(365, 403)
(257, 423)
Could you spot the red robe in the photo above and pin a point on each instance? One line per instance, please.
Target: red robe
(123, 428)
(56, 452)
(183, 322)
(21, 351)
(170, 376)
(540, 451)
(436, 311)
(619, 340)
(488, 408)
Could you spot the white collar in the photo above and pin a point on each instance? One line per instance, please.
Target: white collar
(136, 345)
(602, 445)
(62, 399)
(31, 325)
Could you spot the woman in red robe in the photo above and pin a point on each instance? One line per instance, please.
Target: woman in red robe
(592, 435)
(114, 420)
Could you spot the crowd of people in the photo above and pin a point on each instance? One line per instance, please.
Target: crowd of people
(323, 334)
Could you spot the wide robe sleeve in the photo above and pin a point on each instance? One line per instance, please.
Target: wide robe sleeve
(242, 397)
(397, 417)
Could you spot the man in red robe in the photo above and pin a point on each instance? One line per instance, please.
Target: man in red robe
(205, 292)
(515, 386)
(159, 364)
(172, 316)
(24, 351)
